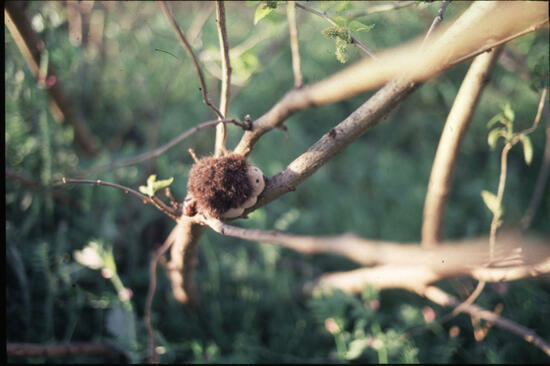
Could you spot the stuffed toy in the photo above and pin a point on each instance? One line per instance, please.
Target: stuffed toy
(223, 187)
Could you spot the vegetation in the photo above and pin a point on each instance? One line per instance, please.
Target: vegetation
(78, 256)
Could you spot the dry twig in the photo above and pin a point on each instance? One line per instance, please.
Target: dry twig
(189, 50)
(438, 19)
(155, 201)
(294, 45)
(225, 93)
(440, 297)
(162, 149)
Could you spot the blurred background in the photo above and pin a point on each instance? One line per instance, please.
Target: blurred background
(127, 77)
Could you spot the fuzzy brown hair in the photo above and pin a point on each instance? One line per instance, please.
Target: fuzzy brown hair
(219, 184)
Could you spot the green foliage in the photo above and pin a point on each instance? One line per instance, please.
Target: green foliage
(492, 203)
(135, 99)
(342, 36)
(153, 185)
(263, 10)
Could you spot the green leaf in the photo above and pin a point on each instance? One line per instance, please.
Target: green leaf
(494, 135)
(494, 120)
(340, 20)
(508, 112)
(357, 26)
(162, 183)
(263, 10)
(491, 202)
(527, 148)
(153, 185)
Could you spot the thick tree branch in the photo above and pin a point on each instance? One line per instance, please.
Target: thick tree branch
(184, 260)
(225, 94)
(516, 256)
(458, 120)
(335, 140)
(479, 28)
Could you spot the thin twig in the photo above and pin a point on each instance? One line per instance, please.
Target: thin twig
(153, 356)
(540, 107)
(380, 8)
(225, 93)
(324, 15)
(189, 50)
(294, 45)
(540, 185)
(436, 21)
(146, 199)
(440, 297)
(162, 149)
(498, 43)
(495, 222)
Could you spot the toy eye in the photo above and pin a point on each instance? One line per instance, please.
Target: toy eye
(257, 181)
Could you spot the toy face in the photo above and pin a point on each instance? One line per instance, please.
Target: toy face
(257, 181)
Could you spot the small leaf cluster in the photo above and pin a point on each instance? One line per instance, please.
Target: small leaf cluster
(342, 34)
(506, 131)
(153, 185)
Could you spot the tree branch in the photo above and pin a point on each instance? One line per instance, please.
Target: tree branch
(153, 356)
(438, 19)
(162, 149)
(446, 156)
(440, 297)
(473, 32)
(294, 44)
(541, 183)
(155, 201)
(516, 257)
(184, 260)
(225, 94)
(189, 50)
(354, 40)
(380, 8)
(335, 140)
